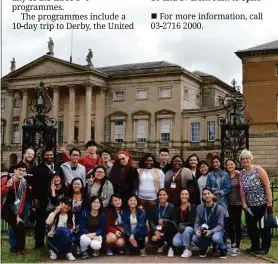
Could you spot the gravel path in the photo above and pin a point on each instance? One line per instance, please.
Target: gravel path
(162, 258)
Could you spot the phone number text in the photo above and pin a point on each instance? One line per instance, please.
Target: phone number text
(176, 25)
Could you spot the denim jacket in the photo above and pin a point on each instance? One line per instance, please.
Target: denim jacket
(222, 190)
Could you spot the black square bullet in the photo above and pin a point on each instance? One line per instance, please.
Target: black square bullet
(154, 16)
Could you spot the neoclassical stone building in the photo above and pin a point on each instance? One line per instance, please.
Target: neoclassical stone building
(141, 106)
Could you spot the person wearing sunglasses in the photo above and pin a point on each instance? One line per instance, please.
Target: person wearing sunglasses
(124, 176)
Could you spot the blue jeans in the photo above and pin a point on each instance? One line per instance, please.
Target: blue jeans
(25, 213)
(61, 241)
(183, 239)
(204, 243)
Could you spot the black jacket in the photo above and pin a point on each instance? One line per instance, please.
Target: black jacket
(42, 180)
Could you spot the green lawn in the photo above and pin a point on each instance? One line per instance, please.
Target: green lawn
(35, 257)
(273, 252)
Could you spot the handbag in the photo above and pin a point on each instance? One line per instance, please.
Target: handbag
(269, 220)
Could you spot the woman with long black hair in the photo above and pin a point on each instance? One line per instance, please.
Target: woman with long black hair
(162, 222)
(134, 223)
(92, 227)
(192, 163)
(115, 234)
(97, 184)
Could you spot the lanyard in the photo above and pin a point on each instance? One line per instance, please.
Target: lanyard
(159, 215)
(175, 175)
(15, 192)
(206, 215)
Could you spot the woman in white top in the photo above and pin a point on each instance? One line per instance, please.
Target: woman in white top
(151, 179)
(203, 168)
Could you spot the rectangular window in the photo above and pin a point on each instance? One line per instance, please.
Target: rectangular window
(220, 101)
(165, 93)
(2, 103)
(16, 103)
(141, 94)
(16, 134)
(198, 100)
(119, 131)
(211, 131)
(165, 130)
(142, 131)
(60, 131)
(195, 132)
(185, 96)
(118, 95)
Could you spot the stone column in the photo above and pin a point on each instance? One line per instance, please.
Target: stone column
(100, 115)
(55, 103)
(24, 110)
(9, 121)
(71, 114)
(88, 113)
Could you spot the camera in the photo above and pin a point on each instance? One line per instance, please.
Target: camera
(203, 228)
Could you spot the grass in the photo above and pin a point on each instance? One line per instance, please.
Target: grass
(35, 257)
(273, 251)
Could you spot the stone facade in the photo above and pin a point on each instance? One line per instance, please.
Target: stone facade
(141, 107)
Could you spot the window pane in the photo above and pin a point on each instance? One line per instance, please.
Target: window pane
(142, 131)
(165, 130)
(211, 131)
(119, 131)
(195, 132)
(2, 103)
(16, 134)
(119, 95)
(165, 92)
(16, 102)
(185, 94)
(141, 94)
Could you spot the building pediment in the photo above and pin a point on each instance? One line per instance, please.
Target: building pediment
(141, 113)
(164, 112)
(118, 113)
(47, 66)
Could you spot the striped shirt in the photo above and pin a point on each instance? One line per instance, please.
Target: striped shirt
(234, 195)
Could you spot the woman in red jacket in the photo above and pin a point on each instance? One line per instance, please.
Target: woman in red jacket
(115, 235)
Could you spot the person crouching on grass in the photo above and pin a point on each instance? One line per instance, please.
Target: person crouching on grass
(62, 224)
(209, 225)
(92, 227)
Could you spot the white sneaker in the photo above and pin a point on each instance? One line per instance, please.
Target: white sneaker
(53, 255)
(70, 256)
(95, 253)
(161, 249)
(170, 253)
(186, 253)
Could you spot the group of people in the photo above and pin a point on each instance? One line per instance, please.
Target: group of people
(93, 203)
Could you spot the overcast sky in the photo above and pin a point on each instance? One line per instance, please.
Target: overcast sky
(210, 50)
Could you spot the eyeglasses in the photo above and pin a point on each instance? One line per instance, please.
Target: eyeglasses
(121, 159)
